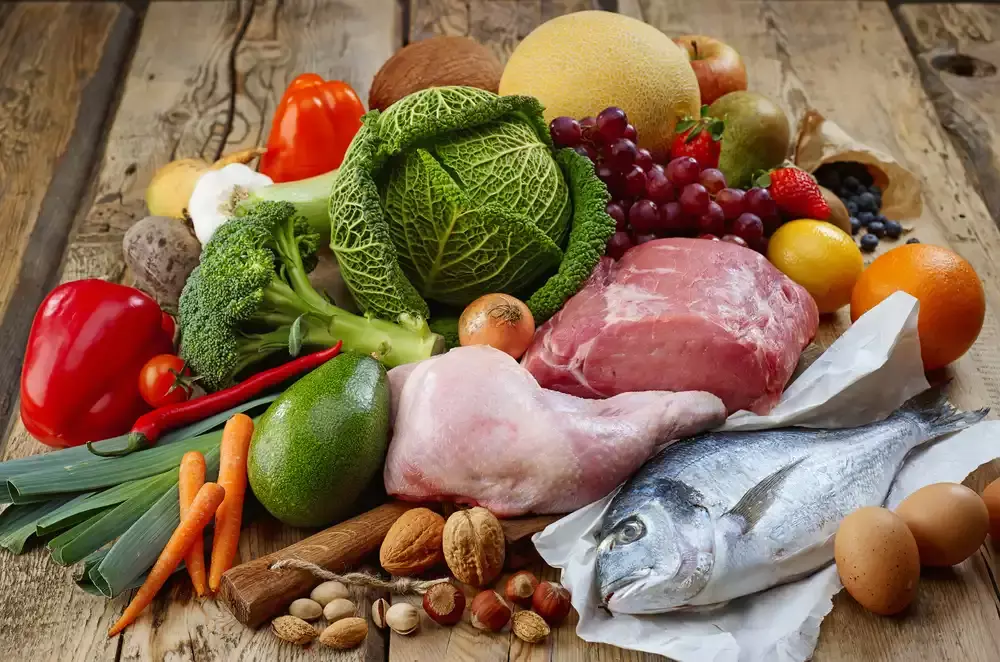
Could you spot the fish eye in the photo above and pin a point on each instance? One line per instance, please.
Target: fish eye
(630, 530)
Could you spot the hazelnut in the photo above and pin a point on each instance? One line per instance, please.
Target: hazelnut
(329, 591)
(338, 609)
(444, 603)
(293, 630)
(520, 587)
(379, 609)
(552, 602)
(403, 618)
(474, 546)
(306, 609)
(345, 633)
(490, 611)
(530, 627)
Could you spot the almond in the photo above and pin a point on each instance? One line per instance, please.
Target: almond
(413, 544)
(293, 630)
(345, 633)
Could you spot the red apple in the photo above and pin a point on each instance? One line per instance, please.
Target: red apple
(717, 65)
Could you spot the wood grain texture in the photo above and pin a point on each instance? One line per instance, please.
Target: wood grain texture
(957, 49)
(850, 62)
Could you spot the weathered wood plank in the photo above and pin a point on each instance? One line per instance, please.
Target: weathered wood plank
(957, 49)
(850, 62)
(59, 69)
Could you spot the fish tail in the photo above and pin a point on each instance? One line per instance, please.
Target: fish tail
(940, 417)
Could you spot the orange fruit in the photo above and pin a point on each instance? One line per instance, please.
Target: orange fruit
(952, 301)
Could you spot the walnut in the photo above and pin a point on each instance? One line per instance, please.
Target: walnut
(474, 546)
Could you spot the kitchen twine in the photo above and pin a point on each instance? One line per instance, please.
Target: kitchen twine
(397, 585)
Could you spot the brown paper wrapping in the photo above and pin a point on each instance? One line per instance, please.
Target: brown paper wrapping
(820, 141)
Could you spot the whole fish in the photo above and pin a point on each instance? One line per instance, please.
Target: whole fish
(722, 515)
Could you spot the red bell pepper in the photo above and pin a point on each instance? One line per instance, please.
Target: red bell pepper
(80, 380)
(312, 127)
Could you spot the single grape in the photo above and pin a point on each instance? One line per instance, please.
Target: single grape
(643, 158)
(712, 179)
(565, 132)
(584, 149)
(672, 218)
(605, 173)
(658, 187)
(588, 128)
(625, 204)
(710, 237)
(643, 238)
(644, 216)
(760, 245)
(616, 212)
(630, 133)
(618, 244)
(748, 226)
(620, 154)
(683, 171)
(694, 199)
(733, 239)
(713, 221)
(759, 201)
(731, 201)
(611, 123)
(635, 181)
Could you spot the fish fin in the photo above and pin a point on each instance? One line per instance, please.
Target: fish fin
(752, 506)
(941, 417)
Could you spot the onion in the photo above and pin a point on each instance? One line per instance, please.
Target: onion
(497, 320)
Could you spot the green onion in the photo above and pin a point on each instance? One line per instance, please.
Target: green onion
(138, 548)
(90, 535)
(70, 456)
(17, 523)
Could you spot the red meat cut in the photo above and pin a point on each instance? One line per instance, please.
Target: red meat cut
(679, 315)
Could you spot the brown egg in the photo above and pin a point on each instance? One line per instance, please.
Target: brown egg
(877, 560)
(991, 497)
(949, 522)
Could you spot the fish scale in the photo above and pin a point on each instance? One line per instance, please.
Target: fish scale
(727, 514)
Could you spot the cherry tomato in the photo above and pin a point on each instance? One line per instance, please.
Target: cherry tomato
(165, 380)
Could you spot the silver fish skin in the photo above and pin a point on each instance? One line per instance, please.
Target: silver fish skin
(723, 515)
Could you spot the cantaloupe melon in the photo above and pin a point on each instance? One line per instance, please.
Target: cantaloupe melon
(579, 64)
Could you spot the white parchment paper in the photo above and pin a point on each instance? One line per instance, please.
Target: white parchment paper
(872, 369)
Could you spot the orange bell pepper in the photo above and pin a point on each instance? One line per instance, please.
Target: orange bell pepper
(313, 125)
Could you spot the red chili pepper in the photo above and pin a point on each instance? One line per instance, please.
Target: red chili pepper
(149, 427)
(88, 341)
(312, 127)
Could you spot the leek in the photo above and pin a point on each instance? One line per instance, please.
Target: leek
(17, 523)
(89, 504)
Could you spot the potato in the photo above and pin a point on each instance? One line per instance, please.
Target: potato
(161, 252)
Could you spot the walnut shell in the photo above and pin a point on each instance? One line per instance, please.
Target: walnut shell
(474, 546)
(413, 543)
(434, 62)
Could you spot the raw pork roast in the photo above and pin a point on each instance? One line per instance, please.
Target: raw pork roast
(679, 315)
(475, 427)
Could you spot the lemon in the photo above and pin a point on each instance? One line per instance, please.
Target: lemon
(820, 257)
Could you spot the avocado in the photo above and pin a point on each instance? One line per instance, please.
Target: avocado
(320, 444)
(756, 135)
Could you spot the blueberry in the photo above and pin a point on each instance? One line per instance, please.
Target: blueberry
(855, 225)
(866, 217)
(851, 183)
(875, 189)
(869, 242)
(877, 228)
(881, 217)
(913, 240)
(893, 229)
(866, 201)
(852, 207)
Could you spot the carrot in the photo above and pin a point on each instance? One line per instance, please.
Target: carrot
(192, 477)
(233, 477)
(192, 524)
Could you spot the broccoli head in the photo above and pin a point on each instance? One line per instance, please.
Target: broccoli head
(250, 300)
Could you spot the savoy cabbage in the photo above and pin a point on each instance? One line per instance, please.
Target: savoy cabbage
(454, 192)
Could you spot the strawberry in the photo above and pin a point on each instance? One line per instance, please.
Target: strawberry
(796, 193)
(700, 139)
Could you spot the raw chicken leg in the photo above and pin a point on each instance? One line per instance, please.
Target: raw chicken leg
(475, 427)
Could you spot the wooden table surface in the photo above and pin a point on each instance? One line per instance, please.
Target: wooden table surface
(94, 96)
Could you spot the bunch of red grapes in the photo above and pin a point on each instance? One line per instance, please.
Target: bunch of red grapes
(678, 198)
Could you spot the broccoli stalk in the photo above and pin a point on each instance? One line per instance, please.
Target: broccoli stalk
(250, 300)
